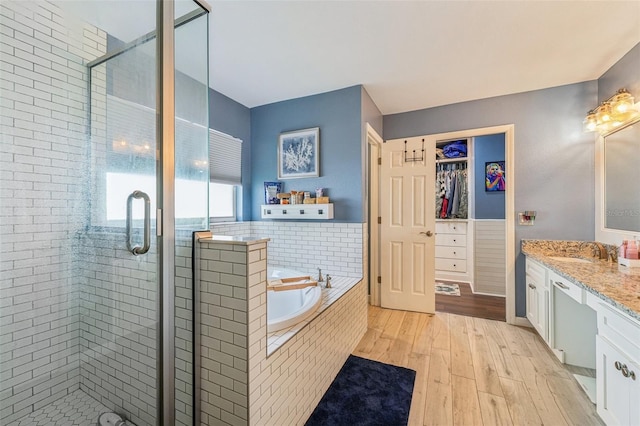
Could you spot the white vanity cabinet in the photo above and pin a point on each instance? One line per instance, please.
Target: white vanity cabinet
(618, 366)
(538, 298)
(583, 329)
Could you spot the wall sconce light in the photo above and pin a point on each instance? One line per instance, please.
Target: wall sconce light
(616, 111)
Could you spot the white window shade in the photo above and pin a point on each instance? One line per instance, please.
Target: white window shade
(225, 158)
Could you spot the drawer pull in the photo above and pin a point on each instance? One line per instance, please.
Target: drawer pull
(562, 285)
(624, 370)
(531, 286)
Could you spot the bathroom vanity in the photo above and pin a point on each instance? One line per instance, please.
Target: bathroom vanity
(588, 311)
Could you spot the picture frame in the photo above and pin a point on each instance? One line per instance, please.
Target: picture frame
(299, 154)
(495, 180)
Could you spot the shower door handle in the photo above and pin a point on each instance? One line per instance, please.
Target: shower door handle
(137, 250)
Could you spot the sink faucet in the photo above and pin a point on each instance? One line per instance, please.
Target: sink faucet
(603, 251)
(328, 281)
(320, 279)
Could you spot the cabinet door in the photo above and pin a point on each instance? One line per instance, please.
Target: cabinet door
(537, 298)
(543, 311)
(617, 384)
(532, 302)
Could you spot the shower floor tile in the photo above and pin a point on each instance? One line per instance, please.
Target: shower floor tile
(75, 409)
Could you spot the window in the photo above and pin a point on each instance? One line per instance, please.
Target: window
(222, 201)
(225, 168)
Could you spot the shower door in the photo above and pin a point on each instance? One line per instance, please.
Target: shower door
(147, 191)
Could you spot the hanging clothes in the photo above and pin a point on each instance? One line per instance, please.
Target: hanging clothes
(451, 189)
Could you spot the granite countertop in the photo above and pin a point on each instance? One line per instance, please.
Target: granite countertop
(615, 284)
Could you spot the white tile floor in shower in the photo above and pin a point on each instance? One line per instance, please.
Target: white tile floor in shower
(75, 409)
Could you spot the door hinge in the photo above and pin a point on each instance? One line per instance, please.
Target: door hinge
(379, 161)
(379, 280)
(379, 220)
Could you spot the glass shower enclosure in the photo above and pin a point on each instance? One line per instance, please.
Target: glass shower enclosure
(103, 177)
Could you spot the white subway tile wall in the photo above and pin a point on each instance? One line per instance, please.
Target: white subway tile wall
(336, 248)
(43, 84)
(118, 326)
(241, 385)
(184, 329)
(224, 315)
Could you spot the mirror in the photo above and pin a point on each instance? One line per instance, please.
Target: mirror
(621, 172)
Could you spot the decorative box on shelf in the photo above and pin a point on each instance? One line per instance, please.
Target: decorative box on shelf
(297, 211)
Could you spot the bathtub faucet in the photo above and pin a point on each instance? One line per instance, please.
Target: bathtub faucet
(320, 279)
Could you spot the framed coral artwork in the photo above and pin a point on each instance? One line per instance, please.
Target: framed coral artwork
(299, 154)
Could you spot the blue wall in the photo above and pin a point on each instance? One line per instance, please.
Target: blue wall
(488, 205)
(623, 74)
(338, 115)
(230, 117)
(554, 159)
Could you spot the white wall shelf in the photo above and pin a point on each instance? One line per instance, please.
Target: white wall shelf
(297, 211)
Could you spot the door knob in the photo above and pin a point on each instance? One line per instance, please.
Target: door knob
(428, 233)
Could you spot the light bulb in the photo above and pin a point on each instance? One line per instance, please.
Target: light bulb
(590, 122)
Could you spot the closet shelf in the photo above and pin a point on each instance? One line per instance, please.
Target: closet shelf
(452, 160)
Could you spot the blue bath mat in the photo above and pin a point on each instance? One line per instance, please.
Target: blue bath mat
(366, 393)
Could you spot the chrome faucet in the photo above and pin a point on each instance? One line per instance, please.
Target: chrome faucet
(320, 279)
(328, 281)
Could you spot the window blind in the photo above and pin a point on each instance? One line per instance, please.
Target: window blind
(225, 158)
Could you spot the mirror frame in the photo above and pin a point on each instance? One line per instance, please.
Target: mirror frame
(603, 234)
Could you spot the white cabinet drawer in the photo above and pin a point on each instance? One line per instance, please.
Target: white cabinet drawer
(454, 265)
(619, 329)
(534, 268)
(564, 285)
(451, 240)
(451, 252)
(451, 228)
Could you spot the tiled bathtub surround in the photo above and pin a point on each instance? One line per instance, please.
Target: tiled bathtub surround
(340, 285)
(611, 282)
(337, 248)
(240, 384)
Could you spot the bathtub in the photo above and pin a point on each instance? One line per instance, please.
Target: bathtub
(288, 307)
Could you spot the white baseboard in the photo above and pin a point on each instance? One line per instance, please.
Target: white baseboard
(522, 322)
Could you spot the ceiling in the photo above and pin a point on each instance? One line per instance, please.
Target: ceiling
(408, 54)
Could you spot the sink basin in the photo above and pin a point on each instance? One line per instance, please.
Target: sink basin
(569, 259)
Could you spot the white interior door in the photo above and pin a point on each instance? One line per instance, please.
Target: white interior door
(407, 209)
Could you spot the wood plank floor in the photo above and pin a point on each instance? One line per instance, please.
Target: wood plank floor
(472, 305)
(474, 371)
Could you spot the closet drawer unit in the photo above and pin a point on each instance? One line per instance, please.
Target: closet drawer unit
(454, 240)
(447, 252)
(451, 228)
(454, 265)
